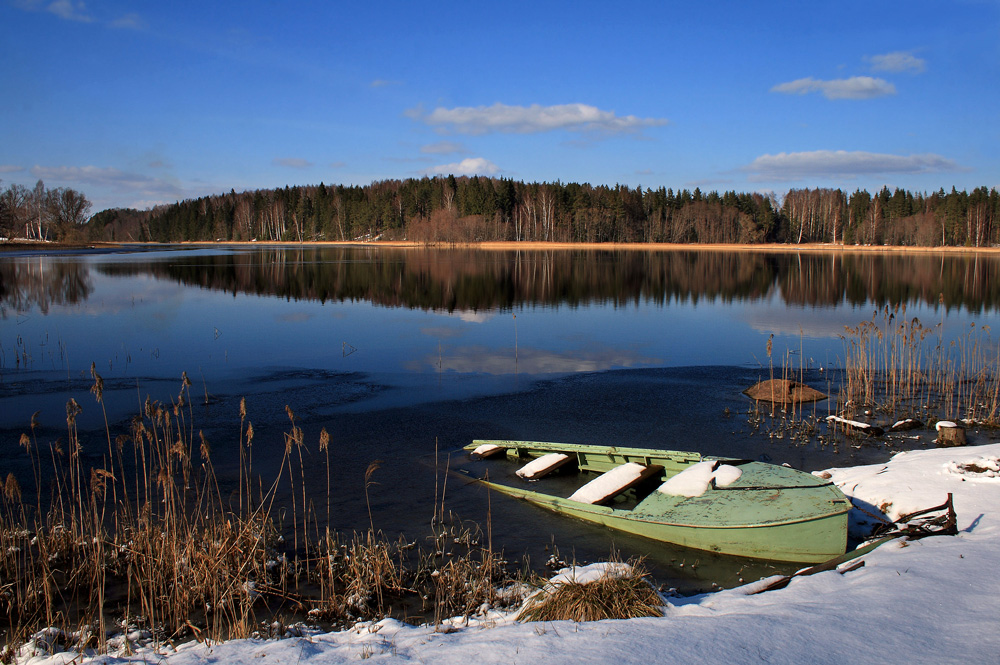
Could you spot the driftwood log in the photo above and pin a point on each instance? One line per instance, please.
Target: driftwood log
(854, 426)
(945, 524)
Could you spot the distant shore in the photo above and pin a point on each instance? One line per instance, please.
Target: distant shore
(15, 245)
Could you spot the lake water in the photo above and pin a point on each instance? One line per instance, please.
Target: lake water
(401, 352)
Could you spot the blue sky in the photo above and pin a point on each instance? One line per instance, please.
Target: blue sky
(139, 103)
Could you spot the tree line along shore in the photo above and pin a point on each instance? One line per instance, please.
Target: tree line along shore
(495, 210)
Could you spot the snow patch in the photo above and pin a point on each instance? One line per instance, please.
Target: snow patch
(606, 483)
(591, 573)
(695, 480)
(856, 424)
(981, 468)
(486, 450)
(540, 466)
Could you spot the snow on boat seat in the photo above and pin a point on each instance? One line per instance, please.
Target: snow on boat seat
(697, 478)
(543, 465)
(486, 450)
(612, 483)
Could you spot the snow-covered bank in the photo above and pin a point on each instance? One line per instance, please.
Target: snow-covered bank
(936, 600)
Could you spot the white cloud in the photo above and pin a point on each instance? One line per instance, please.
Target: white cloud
(146, 204)
(383, 83)
(139, 187)
(468, 166)
(856, 87)
(337, 165)
(897, 61)
(93, 175)
(842, 163)
(76, 10)
(130, 21)
(292, 162)
(10, 168)
(443, 148)
(407, 160)
(532, 119)
(71, 11)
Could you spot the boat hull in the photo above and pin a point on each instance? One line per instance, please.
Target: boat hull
(771, 512)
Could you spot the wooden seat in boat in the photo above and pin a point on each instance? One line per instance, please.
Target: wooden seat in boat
(610, 484)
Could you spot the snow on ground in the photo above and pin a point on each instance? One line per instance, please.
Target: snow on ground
(935, 600)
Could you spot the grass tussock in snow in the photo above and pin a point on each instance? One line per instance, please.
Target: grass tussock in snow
(615, 591)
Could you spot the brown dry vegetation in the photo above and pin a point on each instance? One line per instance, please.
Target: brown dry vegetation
(902, 367)
(613, 596)
(146, 543)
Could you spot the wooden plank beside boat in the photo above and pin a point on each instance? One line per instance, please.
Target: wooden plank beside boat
(770, 512)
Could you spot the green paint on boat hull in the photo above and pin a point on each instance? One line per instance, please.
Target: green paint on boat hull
(771, 512)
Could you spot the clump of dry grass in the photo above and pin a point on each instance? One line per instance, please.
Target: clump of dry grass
(622, 593)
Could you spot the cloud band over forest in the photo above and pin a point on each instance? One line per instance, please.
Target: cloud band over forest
(504, 118)
(843, 163)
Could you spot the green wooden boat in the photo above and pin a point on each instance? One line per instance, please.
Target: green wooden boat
(769, 512)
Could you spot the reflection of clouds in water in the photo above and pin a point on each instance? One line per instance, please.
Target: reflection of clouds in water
(467, 316)
(441, 332)
(479, 359)
(470, 316)
(812, 323)
(114, 296)
(151, 302)
(293, 317)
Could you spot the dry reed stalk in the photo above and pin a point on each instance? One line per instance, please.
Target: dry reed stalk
(890, 367)
(173, 556)
(324, 447)
(369, 472)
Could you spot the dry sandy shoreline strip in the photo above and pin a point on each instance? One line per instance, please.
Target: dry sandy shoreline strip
(533, 246)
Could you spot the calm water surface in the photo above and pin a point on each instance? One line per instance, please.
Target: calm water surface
(398, 353)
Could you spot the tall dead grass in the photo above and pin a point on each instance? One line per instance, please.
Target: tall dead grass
(146, 541)
(901, 367)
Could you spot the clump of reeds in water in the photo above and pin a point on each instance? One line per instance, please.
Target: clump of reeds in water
(146, 544)
(900, 367)
(793, 414)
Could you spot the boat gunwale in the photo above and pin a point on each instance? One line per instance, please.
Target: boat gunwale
(630, 515)
(508, 444)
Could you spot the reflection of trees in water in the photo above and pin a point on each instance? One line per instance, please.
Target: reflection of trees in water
(969, 280)
(485, 280)
(42, 283)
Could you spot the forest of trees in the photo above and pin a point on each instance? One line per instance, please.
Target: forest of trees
(479, 209)
(43, 214)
